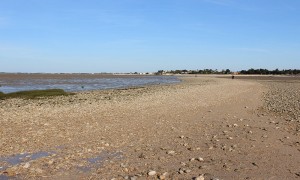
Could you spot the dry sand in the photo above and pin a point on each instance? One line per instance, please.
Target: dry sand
(202, 128)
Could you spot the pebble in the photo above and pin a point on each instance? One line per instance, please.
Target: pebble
(187, 171)
(183, 164)
(200, 159)
(123, 165)
(133, 178)
(203, 167)
(151, 173)
(163, 176)
(27, 165)
(39, 171)
(201, 177)
(181, 172)
(171, 152)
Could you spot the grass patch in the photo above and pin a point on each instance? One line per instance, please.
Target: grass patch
(34, 94)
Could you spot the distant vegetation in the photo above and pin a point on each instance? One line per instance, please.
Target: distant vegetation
(204, 71)
(228, 71)
(34, 94)
(274, 72)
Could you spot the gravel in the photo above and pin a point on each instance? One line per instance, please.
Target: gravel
(283, 99)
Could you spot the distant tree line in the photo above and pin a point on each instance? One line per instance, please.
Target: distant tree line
(228, 71)
(204, 71)
(274, 72)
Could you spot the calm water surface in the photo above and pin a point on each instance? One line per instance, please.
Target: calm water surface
(78, 83)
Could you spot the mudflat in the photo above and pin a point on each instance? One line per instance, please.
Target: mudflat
(202, 128)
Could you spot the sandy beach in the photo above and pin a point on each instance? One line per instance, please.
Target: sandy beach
(202, 128)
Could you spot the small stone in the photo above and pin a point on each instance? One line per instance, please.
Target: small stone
(123, 165)
(187, 171)
(151, 173)
(201, 177)
(163, 176)
(254, 164)
(235, 125)
(27, 165)
(10, 172)
(133, 178)
(191, 149)
(192, 159)
(203, 167)
(200, 159)
(171, 152)
(39, 171)
(181, 137)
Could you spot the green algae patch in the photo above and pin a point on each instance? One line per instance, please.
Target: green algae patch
(33, 94)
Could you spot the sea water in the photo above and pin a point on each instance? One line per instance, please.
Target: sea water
(81, 84)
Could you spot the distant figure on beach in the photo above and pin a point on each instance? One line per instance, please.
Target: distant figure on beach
(232, 77)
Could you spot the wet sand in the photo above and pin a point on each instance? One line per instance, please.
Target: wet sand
(204, 127)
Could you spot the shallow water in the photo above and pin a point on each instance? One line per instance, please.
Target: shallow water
(80, 84)
(98, 161)
(9, 161)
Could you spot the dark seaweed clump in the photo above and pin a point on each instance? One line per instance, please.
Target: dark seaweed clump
(33, 94)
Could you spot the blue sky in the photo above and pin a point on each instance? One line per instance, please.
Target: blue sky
(148, 35)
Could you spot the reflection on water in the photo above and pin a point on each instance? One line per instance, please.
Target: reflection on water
(9, 161)
(98, 161)
(93, 162)
(19, 158)
(81, 84)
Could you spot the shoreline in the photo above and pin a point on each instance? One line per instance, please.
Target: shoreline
(128, 133)
(78, 83)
